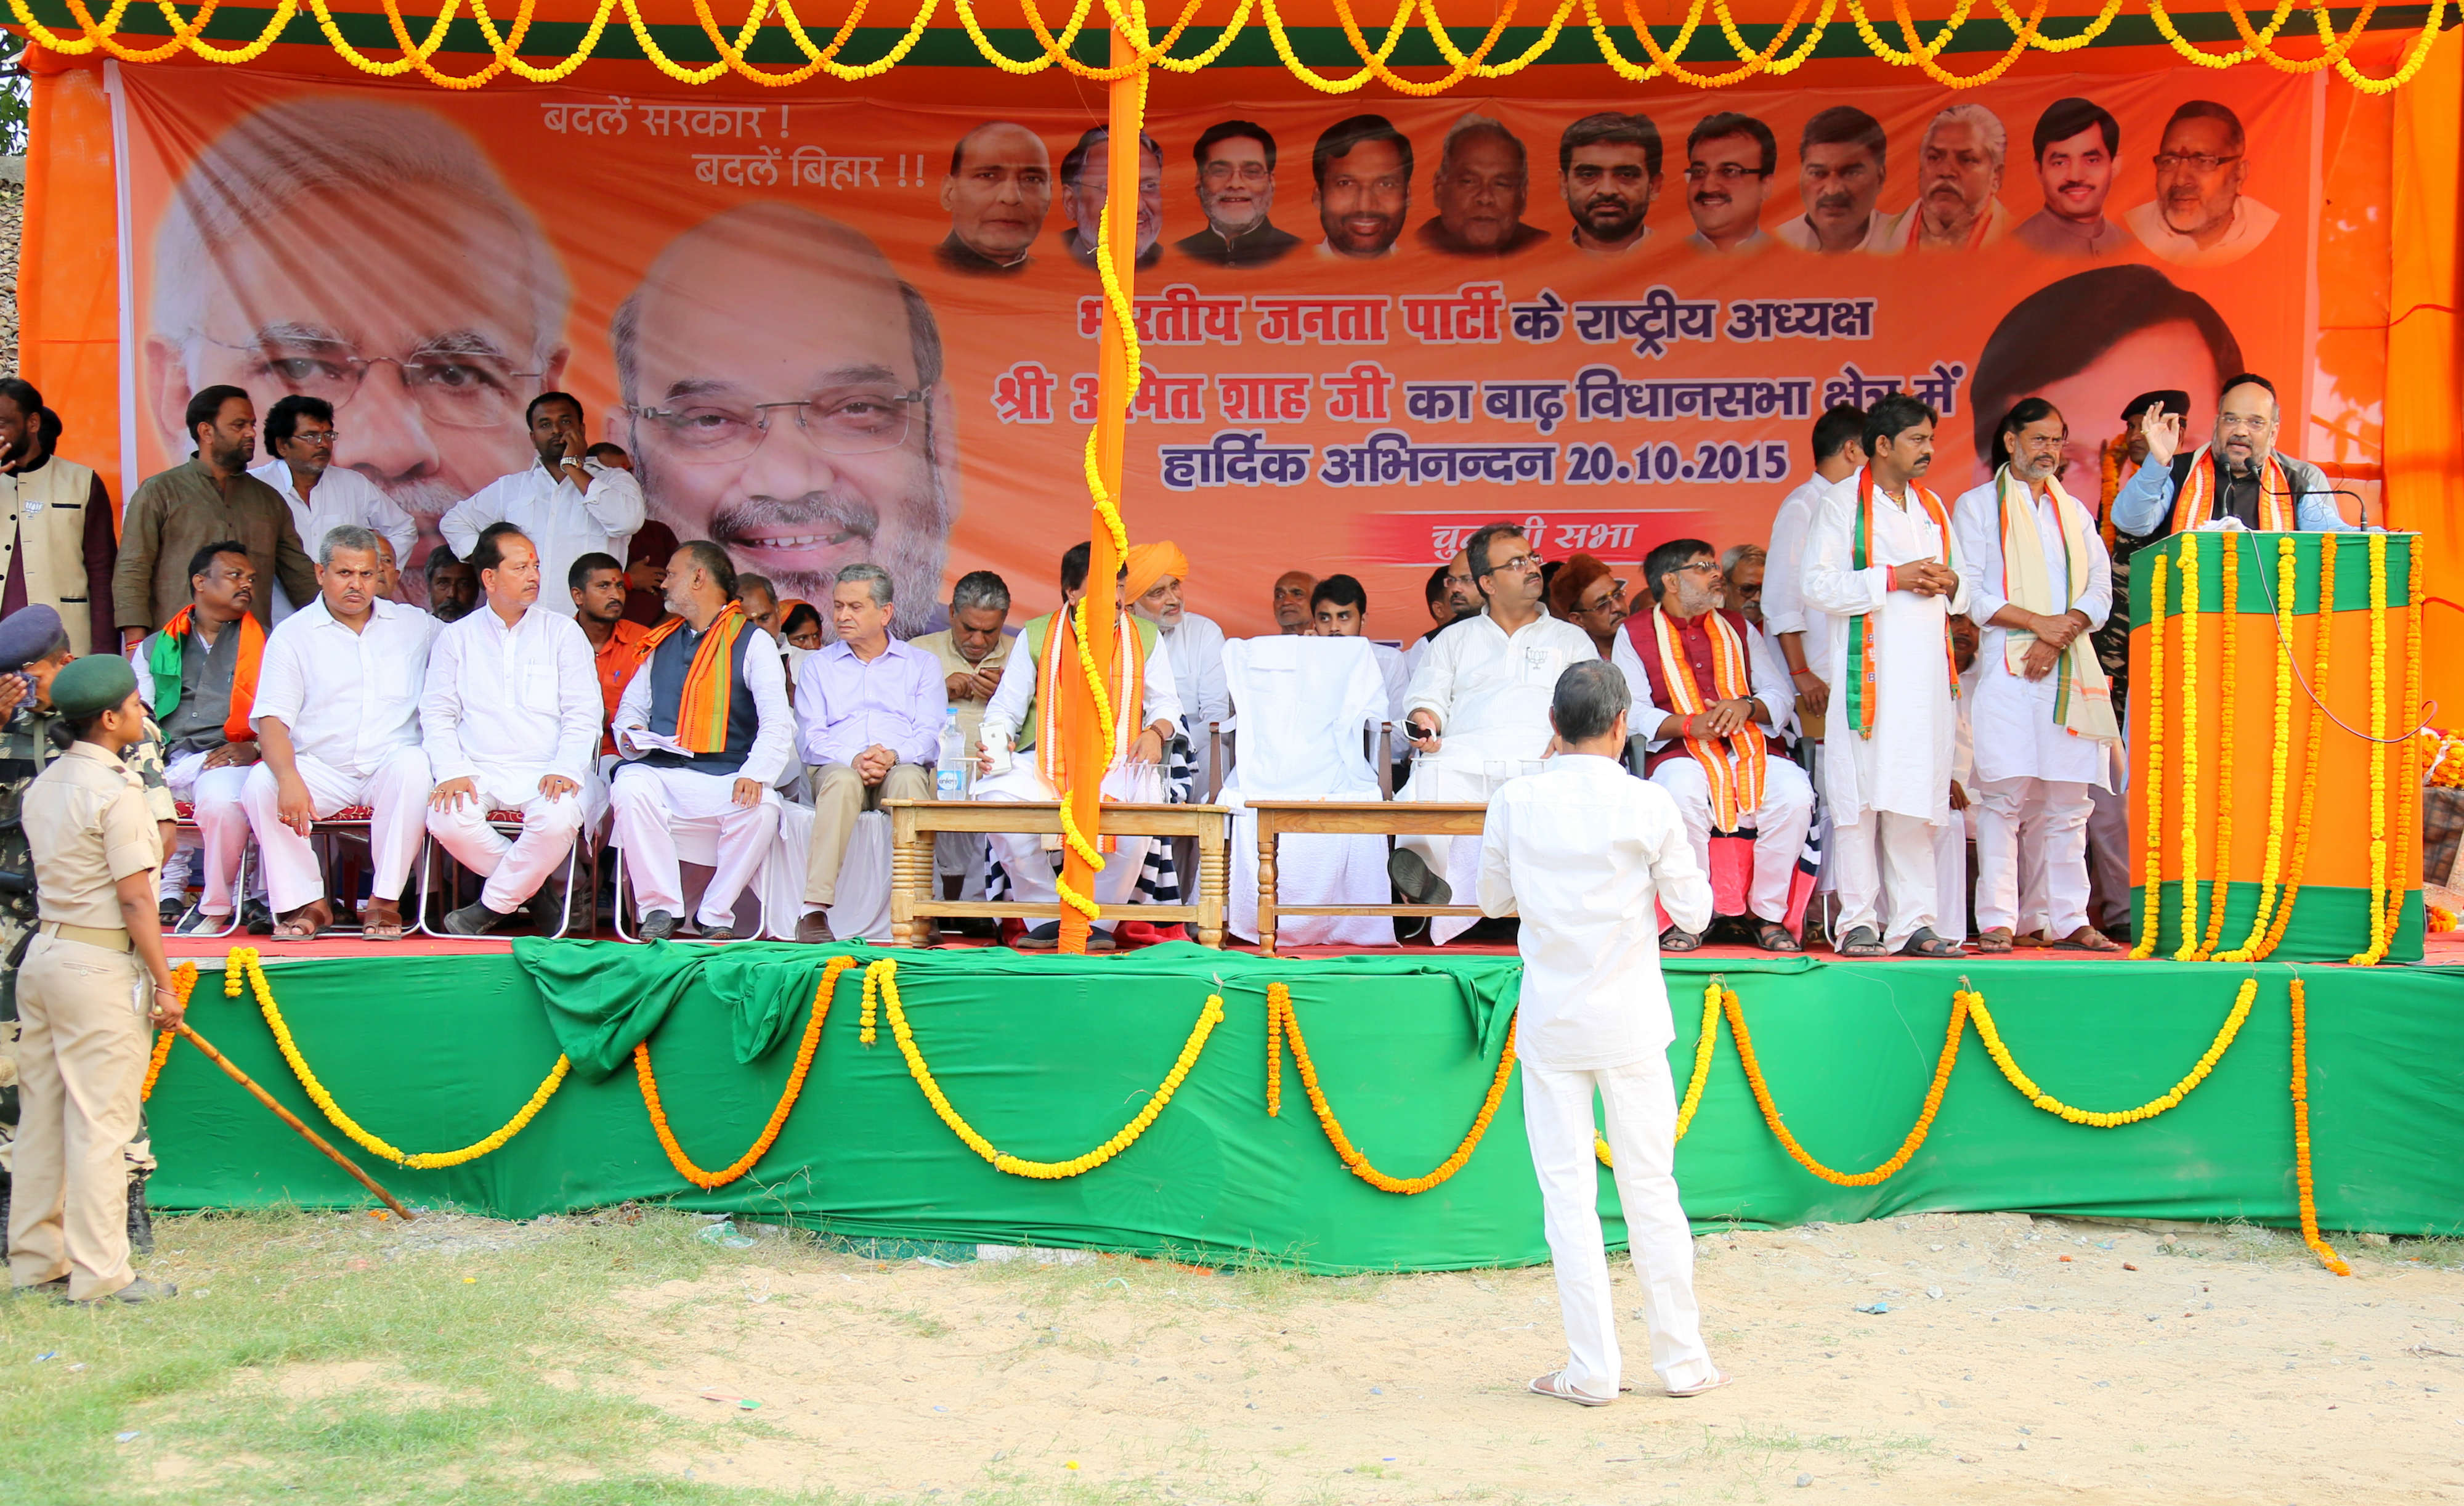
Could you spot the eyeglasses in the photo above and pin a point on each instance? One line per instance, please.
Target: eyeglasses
(1726, 172)
(319, 438)
(457, 388)
(2203, 162)
(1521, 562)
(857, 421)
(1246, 172)
(1699, 567)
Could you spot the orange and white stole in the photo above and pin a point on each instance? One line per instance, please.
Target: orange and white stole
(1059, 667)
(1861, 691)
(2082, 696)
(2276, 500)
(1736, 771)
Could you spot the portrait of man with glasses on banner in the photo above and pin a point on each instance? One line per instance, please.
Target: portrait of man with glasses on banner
(263, 266)
(783, 396)
(2200, 217)
(1236, 190)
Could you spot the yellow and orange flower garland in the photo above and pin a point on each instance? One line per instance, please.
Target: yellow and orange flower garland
(2408, 757)
(2273, 869)
(2151, 923)
(2322, 665)
(2227, 705)
(2381, 929)
(184, 982)
(2187, 740)
(244, 967)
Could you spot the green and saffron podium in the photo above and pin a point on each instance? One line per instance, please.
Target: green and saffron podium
(2275, 787)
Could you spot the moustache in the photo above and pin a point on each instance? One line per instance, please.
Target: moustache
(734, 522)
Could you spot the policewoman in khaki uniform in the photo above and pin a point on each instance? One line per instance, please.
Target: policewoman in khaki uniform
(82, 996)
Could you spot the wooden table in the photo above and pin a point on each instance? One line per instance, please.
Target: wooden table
(1353, 818)
(915, 905)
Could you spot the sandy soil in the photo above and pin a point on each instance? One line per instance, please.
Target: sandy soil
(2018, 1361)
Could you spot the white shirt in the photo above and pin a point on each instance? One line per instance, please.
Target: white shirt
(2012, 717)
(1904, 767)
(1758, 241)
(1491, 691)
(1765, 672)
(1017, 689)
(523, 702)
(561, 521)
(1784, 609)
(1196, 649)
(348, 698)
(1800, 233)
(344, 498)
(765, 674)
(2252, 220)
(1395, 669)
(1583, 851)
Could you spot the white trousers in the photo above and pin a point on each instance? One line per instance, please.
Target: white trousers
(1779, 827)
(652, 804)
(222, 822)
(1640, 1104)
(1030, 865)
(395, 792)
(2032, 856)
(1887, 879)
(514, 868)
(1950, 874)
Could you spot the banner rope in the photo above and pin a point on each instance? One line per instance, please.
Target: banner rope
(732, 45)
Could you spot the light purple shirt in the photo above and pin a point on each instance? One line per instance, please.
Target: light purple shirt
(845, 705)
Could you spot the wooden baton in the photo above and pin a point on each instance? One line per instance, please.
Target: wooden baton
(293, 1120)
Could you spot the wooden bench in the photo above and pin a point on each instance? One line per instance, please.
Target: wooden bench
(915, 901)
(1353, 818)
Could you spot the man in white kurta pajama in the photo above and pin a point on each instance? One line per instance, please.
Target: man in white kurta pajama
(2040, 581)
(1483, 687)
(1878, 560)
(1587, 854)
(511, 722)
(1024, 714)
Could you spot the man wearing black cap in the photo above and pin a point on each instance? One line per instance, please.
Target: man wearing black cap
(82, 1054)
(2234, 479)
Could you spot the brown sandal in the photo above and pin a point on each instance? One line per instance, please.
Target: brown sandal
(380, 920)
(1994, 943)
(1677, 939)
(305, 923)
(2086, 939)
(1772, 937)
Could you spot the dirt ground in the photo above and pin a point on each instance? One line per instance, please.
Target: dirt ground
(2014, 1359)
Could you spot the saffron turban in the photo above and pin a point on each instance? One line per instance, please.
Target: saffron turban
(1149, 563)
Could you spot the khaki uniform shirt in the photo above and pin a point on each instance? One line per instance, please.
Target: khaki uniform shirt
(86, 820)
(945, 653)
(173, 515)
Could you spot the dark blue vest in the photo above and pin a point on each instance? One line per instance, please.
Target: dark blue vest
(669, 663)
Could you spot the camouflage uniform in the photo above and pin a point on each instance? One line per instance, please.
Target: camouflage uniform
(26, 747)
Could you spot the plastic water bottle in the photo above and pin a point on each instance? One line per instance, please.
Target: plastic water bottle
(950, 780)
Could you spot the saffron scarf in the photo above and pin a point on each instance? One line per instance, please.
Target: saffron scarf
(1860, 627)
(2082, 696)
(2276, 503)
(1736, 786)
(162, 668)
(1057, 665)
(710, 679)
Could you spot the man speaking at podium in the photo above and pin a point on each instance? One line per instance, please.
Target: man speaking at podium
(2236, 475)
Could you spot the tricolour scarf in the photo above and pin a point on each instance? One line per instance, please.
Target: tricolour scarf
(2082, 696)
(1860, 627)
(2199, 494)
(1736, 786)
(710, 679)
(162, 667)
(1059, 665)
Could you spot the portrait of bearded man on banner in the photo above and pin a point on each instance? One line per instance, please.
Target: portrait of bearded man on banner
(783, 396)
(263, 266)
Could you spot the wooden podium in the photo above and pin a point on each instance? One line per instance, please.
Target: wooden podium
(2303, 829)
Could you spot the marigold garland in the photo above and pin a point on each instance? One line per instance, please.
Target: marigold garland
(2278, 768)
(184, 982)
(2227, 702)
(823, 993)
(1208, 1018)
(1282, 1022)
(2408, 756)
(2152, 924)
(1705, 1039)
(244, 964)
(2323, 661)
(2171, 1098)
(2380, 930)
(2310, 1236)
(2186, 729)
(1959, 1003)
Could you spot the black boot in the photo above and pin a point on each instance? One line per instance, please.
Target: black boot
(140, 1221)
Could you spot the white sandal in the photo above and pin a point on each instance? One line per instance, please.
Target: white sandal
(1718, 1380)
(1554, 1383)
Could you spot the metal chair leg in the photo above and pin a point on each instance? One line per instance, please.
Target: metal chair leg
(617, 920)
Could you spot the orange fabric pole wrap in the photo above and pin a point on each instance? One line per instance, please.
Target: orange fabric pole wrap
(1088, 757)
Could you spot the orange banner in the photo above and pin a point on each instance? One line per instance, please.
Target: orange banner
(831, 330)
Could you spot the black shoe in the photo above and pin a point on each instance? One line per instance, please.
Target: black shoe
(814, 927)
(1043, 936)
(169, 911)
(1413, 881)
(258, 919)
(141, 1290)
(546, 908)
(475, 919)
(658, 926)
